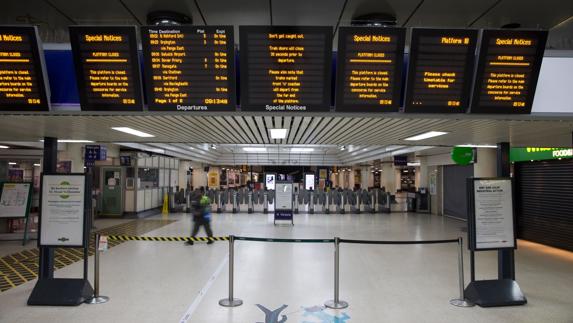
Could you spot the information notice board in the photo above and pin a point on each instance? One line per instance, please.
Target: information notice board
(189, 68)
(62, 214)
(369, 69)
(491, 213)
(285, 68)
(23, 78)
(107, 68)
(283, 201)
(440, 71)
(15, 199)
(508, 69)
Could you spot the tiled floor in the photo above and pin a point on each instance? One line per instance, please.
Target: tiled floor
(160, 281)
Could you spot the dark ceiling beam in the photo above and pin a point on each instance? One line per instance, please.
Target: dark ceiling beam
(340, 18)
(130, 12)
(484, 13)
(271, 11)
(200, 12)
(413, 13)
(49, 3)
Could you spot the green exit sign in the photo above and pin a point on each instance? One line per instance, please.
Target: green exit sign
(537, 153)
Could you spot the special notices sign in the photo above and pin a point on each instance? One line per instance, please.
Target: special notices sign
(189, 68)
(440, 71)
(369, 71)
(285, 68)
(508, 68)
(62, 210)
(493, 214)
(22, 71)
(107, 68)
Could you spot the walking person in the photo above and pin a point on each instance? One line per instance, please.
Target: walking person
(201, 209)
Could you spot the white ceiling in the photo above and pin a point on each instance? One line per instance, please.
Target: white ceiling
(54, 16)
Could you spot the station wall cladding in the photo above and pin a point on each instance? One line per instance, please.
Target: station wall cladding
(282, 68)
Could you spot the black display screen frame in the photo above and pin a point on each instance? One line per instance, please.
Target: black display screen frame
(398, 78)
(231, 71)
(39, 69)
(487, 34)
(86, 105)
(245, 105)
(468, 73)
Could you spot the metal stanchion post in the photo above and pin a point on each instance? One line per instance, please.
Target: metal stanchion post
(461, 301)
(336, 303)
(97, 298)
(230, 301)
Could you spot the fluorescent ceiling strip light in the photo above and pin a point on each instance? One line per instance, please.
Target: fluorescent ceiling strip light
(278, 133)
(4, 147)
(426, 135)
(133, 132)
(477, 146)
(254, 149)
(12, 163)
(301, 150)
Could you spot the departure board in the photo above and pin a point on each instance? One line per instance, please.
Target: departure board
(107, 68)
(22, 70)
(508, 69)
(189, 68)
(285, 68)
(369, 69)
(440, 71)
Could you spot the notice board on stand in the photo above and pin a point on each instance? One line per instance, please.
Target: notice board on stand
(283, 201)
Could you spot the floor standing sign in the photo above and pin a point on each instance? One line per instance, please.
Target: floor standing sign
(283, 201)
(63, 224)
(491, 226)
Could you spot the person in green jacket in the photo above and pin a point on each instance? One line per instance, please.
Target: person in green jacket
(202, 216)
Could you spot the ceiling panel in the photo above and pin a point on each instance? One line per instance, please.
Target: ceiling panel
(305, 13)
(100, 12)
(142, 7)
(529, 13)
(448, 13)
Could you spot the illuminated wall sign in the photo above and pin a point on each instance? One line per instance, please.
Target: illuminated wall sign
(107, 68)
(507, 72)
(440, 70)
(285, 68)
(22, 71)
(369, 71)
(189, 68)
(537, 153)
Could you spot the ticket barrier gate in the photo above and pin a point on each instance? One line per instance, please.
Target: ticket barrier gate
(250, 207)
(265, 202)
(295, 202)
(311, 203)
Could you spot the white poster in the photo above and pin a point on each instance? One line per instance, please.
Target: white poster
(493, 214)
(62, 218)
(270, 180)
(14, 200)
(309, 182)
(283, 196)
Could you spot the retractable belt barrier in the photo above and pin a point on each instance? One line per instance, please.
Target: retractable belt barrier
(230, 301)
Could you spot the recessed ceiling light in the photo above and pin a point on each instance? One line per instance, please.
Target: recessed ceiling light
(278, 133)
(477, 146)
(37, 165)
(213, 147)
(426, 135)
(191, 148)
(133, 132)
(12, 163)
(254, 149)
(74, 141)
(342, 147)
(4, 147)
(301, 150)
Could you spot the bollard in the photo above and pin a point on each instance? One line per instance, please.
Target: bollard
(461, 301)
(97, 298)
(230, 301)
(336, 303)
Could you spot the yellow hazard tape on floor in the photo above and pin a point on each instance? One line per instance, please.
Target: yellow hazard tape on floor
(165, 239)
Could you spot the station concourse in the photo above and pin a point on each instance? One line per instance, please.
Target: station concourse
(286, 161)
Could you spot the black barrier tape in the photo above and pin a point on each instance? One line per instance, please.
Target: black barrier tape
(285, 240)
(398, 242)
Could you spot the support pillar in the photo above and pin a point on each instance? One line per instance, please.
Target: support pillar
(506, 258)
(50, 161)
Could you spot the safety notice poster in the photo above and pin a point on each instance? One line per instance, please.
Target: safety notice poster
(493, 206)
(14, 200)
(62, 210)
(283, 196)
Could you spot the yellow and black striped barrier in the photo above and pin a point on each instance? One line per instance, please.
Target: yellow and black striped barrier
(165, 239)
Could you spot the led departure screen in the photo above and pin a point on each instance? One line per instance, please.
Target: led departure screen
(22, 78)
(369, 71)
(508, 69)
(440, 71)
(107, 68)
(189, 68)
(285, 68)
